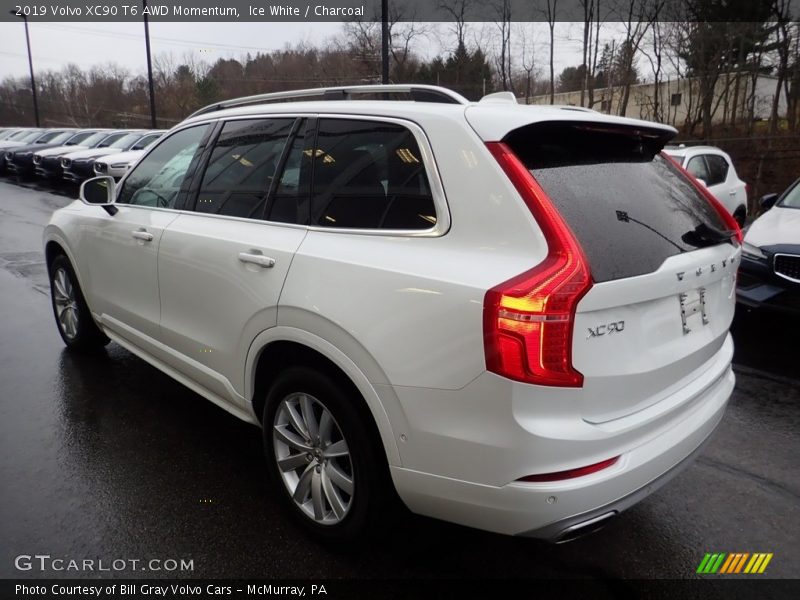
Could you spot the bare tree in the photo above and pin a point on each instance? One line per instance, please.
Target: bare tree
(550, 15)
(637, 16)
(503, 60)
(655, 56)
(588, 17)
(527, 59)
(459, 11)
(783, 46)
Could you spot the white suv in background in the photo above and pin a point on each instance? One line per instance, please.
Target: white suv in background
(117, 165)
(515, 317)
(714, 168)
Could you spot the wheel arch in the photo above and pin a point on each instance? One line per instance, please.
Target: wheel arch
(55, 244)
(281, 346)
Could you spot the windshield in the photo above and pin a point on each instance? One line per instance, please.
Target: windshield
(55, 137)
(110, 139)
(792, 198)
(126, 141)
(78, 138)
(29, 136)
(94, 138)
(146, 141)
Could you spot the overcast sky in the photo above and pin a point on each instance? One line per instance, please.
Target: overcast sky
(57, 44)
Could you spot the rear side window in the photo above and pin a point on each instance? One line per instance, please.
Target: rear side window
(369, 175)
(629, 207)
(717, 169)
(241, 167)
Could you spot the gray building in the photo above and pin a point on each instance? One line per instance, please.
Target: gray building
(678, 99)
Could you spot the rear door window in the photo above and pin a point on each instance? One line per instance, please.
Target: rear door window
(629, 207)
(241, 167)
(369, 175)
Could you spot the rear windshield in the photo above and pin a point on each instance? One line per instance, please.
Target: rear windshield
(629, 207)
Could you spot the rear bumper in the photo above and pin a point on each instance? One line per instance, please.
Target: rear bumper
(572, 527)
(652, 451)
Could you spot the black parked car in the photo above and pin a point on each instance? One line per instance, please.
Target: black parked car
(47, 163)
(34, 136)
(23, 162)
(79, 166)
(19, 159)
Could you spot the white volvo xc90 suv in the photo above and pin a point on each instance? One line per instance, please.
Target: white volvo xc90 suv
(516, 317)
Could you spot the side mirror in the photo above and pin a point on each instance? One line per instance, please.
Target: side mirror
(768, 201)
(99, 191)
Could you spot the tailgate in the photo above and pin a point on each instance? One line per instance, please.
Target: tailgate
(662, 261)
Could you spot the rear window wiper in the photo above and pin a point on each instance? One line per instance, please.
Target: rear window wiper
(704, 235)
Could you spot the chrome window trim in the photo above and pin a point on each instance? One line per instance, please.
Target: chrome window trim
(443, 221)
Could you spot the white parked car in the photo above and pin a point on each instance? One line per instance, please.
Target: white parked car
(769, 277)
(79, 166)
(714, 168)
(117, 165)
(515, 317)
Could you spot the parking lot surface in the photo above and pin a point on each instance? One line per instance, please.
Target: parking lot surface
(105, 457)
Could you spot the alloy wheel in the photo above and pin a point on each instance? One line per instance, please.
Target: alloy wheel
(66, 303)
(313, 458)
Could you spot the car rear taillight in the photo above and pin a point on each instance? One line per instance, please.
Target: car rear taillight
(727, 218)
(528, 320)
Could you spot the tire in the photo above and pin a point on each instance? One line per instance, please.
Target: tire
(332, 479)
(73, 318)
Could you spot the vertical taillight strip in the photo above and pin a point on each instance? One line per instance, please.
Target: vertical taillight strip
(529, 320)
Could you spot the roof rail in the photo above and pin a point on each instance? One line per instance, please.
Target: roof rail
(418, 93)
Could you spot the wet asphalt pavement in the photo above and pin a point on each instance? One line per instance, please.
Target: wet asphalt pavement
(106, 457)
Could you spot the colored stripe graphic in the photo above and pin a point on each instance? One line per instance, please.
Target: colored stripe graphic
(704, 563)
(717, 564)
(741, 563)
(749, 568)
(732, 559)
(764, 564)
(734, 562)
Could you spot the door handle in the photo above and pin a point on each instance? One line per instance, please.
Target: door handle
(141, 234)
(257, 259)
(732, 193)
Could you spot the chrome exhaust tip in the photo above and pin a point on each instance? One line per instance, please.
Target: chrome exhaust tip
(583, 528)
